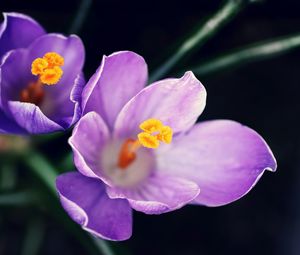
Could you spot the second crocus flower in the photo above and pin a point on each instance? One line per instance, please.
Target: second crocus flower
(40, 77)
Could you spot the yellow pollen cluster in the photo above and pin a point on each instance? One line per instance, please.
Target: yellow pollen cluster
(48, 68)
(154, 133)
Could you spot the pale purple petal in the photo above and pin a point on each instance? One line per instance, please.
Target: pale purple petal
(159, 194)
(225, 158)
(87, 203)
(87, 141)
(120, 77)
(18, 31)
(76, 97)
(176, 102)
(31, 118)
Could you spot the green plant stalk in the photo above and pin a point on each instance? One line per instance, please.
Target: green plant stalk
(80, 16)
(250, 53)
(103, 246)
(47, 173)
(41, 168)
(67, 162)
(45, 138)
(228, 11)
(20, 198)
(33, 238)
(8, 175)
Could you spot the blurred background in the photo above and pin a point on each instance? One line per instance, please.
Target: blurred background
(263, 95)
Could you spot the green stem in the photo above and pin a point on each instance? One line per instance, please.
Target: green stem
(8, 176)
(39, 165)
(20, 198)
(103, 246)
(80, 16)
(67, 163)
(47, 173)
(254, 52)
(43, 139)
(34, 237)
(229, 10)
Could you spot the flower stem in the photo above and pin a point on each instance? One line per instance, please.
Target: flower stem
(254, 52)
(47, 173)
(67, 163)
(103, 246)
(42, 169)
(8, 176)
(20, 198)
(229, 10)
(80, 16)
(34, 237)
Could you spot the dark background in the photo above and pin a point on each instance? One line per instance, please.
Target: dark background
(263, 95)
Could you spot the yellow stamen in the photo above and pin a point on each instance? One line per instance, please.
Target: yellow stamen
(153, 133)
(151, 125)
(38, 66)
(48, 68)
(148, 141)
(54, 59)
(165, 135)
(51, 76)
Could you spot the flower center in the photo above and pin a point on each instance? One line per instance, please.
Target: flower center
(34, 93)
(153, 133)
(48, 69)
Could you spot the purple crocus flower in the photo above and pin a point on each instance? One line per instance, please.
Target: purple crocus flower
(139, 148)
(40, 77)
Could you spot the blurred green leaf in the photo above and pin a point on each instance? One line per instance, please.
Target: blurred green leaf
(67, 163)
(250, 53)
(41, 168)
(33, 237)
(213, 24)
(103, 246)
(46, 138)
(47, 173)
(20, 198)
(80, 16)
(8, 177)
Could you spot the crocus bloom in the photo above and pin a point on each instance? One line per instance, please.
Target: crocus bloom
(40, 77)
(139, 148)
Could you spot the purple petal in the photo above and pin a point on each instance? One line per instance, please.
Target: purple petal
(18, 31)
(88, 138)
(223, 157)
(31, 118)
(87, 203)
(159, 194)
(120, 77)
(8, 126)
(76, 97)
(60, 105)
(176, 102)
(72, 49)
(15, 75)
